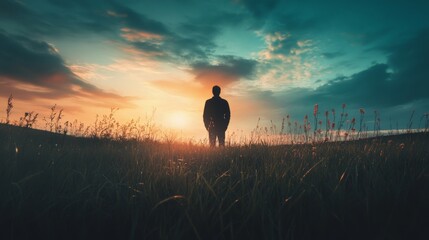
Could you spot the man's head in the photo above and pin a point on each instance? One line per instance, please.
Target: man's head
(216, 90)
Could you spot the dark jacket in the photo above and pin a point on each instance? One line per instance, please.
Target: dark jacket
(216, 114)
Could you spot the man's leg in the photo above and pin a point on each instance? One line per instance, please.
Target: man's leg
(221, 137)
(212, 138)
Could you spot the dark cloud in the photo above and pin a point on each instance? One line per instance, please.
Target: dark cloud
(31, 61)
(259, 8)
(16, 14)
(364, 88)
(137, 21)
(10, 9)
(229, 69)
(294, 23)
(149, 48)
(191, 44)
(63, 18)
(73, 17)
(193, 41)
(176, 49)
(24, 60)
(402, 81)
(332, 55)
(188, 50)
(409, 62)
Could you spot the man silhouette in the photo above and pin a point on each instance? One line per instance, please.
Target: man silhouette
(216, 117)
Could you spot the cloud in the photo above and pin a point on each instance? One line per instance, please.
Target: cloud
(192, 41)
(10, 9)
(282, 45)
(17, 14)
(35, 62)
(408, 62)
(285, 60)
(35, 69)
(333, 55)
(228, 69)
(137, 21)
(291, 22)
(401, 81)
(259, 8)
(69, 18)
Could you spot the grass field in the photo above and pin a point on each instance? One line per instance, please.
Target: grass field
(55, 186)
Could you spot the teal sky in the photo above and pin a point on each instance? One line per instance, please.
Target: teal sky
(271, 58)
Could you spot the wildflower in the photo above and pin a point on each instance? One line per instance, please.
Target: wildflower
(9, 102)
(344, 105)
(353, 120)
(326, 113)
(333, 125)
(316, 109)
(305, 117)
(401, 146)
(362, 111)
(320, 122)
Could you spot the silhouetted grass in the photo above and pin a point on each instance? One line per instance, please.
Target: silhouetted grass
(54, 186)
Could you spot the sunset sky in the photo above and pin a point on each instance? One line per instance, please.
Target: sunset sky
(271, 58)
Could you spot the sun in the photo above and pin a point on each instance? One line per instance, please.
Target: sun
(178, 120)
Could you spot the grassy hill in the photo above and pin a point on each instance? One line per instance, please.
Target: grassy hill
(54, 186)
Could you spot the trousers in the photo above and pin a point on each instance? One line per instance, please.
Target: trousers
(219, 134)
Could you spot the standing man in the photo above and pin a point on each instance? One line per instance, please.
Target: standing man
(216, 117)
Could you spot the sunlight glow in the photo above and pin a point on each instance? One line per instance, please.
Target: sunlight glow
(178, 120)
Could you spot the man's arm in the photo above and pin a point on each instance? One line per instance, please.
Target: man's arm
(227, 114)
(206, 117)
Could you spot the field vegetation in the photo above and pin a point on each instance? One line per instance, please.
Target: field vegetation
(107, 185)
